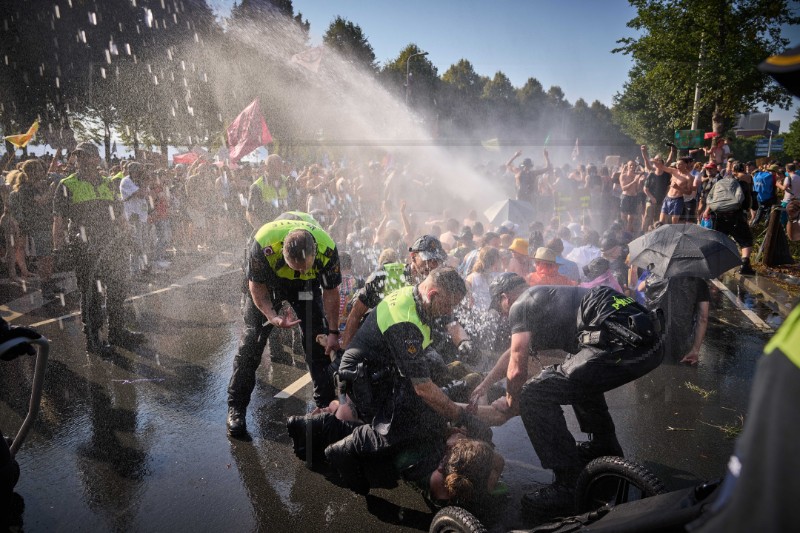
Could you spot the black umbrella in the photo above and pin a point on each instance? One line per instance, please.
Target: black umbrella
(517, 211)
(685, 250)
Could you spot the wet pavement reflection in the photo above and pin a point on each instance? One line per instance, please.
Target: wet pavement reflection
(137, 441)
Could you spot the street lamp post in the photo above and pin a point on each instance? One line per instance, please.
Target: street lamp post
(408, 71)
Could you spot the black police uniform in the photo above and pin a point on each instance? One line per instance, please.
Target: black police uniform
(97, 248)
(385, 359)
(600, 360)
(305, 297)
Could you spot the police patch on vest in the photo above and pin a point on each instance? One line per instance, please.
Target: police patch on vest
(268, 251)
(411, 347)
(328, 252)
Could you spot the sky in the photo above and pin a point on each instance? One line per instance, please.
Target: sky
(566, 42)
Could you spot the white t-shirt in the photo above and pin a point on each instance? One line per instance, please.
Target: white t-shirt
(793, 181)
(132, 206)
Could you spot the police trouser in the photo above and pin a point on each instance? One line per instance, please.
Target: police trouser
(9, 471)
(101, 275)
(369, 453)
(580, 381)
(254, 340)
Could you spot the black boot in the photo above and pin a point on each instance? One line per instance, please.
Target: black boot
(96, 346)
(237, 423)
(342, 457)
(746, 269)
(557, 499)
(125, 338)
(325, 429)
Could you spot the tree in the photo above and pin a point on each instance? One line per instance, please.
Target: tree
(351, 43)
(791, 144)
(716, 44)
(423, 77)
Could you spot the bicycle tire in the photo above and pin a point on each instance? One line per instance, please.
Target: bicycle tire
(454, 519)
(611, 481)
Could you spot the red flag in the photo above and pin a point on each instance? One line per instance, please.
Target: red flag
(247, 132)
(309, 59)
(710, 135)
(187, 159)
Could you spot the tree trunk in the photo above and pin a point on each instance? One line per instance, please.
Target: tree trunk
(718, 120)
(107, 142)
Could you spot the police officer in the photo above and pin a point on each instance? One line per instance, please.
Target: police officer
(88, 220)
(613, 341)
(389, 374)
(268, 195)
(424, 255)
(295, 261)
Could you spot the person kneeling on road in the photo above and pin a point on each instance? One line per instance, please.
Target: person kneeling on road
(613, 341)
(296, 261)
(387, 370)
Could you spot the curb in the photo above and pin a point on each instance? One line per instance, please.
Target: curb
(772, 295)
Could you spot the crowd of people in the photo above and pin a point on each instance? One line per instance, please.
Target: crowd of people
(415, 313)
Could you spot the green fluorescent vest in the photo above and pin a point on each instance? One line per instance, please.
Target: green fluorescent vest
(399, 307)
(395, 277)
(787, 338)
(83, 191)
(268, 192)
(271, 236)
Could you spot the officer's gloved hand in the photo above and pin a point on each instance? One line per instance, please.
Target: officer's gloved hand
(467, 352)
(12, 332)
(476, 428)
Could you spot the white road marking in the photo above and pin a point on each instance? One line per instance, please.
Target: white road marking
(754, 318)
(304, 380)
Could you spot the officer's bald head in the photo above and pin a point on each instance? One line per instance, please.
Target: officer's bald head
(443, 290)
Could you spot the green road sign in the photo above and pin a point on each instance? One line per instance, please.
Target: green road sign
(685, 139)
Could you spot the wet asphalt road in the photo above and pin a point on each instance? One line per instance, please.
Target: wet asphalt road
(137, 442)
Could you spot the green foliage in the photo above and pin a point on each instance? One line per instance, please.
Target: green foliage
(348, 39)
(716, 44)
(791, 144)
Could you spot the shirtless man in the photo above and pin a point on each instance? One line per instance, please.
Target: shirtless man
(672, 209)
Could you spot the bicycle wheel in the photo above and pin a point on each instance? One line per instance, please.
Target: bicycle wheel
(612, 481)
(453, 519)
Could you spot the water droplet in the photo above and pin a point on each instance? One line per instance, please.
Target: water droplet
(99, 286)
(108, 56)
(58, 12)
(82, 35)
(83, 234)
(155, 80)
(103, 72)
(148, 17)
(183, 64)
(58, 83)
(93, 19)
(128, 48)
(111, 212)
(169, 53)
(196, 37)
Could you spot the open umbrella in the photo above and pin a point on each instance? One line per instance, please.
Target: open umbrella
(685, 250)
(517, 211)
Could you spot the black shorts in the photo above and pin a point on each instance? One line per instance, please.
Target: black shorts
(629, 204)
(735, 226)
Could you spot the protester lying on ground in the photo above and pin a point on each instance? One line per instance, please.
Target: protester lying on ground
(455, 469)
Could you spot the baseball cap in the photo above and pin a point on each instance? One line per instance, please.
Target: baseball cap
(505, 282)
(429, 248)
(88, 149)
(711, 165)
(527, 163)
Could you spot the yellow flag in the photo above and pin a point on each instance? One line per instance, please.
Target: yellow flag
(491, 144)
(21, 140)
